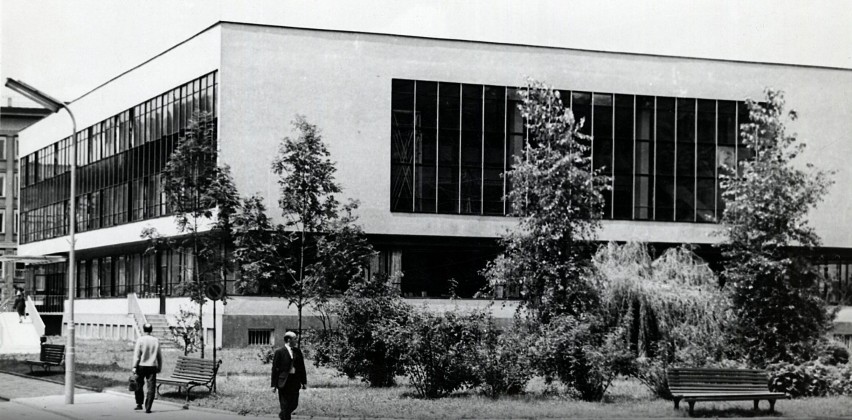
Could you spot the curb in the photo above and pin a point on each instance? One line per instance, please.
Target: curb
(25, 376)
(174, 404)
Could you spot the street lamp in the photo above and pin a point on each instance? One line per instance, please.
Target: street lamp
(54, 106)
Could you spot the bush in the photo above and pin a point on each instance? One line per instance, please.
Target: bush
(322, 346)
(357, 349)
(652, 373)
(810, 379)
(833, 352)
(581, 354)
(265, 354)
(441, 350)
(503, 362)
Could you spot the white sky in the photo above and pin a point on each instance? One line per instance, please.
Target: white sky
(66, 48)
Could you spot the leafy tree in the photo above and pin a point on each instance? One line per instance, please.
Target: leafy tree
(318, 248)
(203, 199)
(557, 196)
(779, 315)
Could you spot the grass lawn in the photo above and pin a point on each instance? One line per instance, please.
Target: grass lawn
(243, 387)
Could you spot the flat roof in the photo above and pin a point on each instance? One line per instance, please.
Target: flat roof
(550, 47)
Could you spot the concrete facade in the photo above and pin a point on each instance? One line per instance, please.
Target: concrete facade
(12, 120)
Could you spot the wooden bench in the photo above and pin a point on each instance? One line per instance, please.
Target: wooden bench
(691, 385)
(191, 372)
(50, 355)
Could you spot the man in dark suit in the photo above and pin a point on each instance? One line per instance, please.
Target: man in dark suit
(288, 375)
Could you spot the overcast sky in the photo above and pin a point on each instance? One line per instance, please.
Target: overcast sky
(66, 48)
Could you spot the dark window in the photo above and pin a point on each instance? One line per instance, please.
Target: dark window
(665, 160)
(448, 147)
(516, 134)
(685, 188)
(402, 145)
(644, 165)
(623, 158)
(471, 149)
(602, 145)
(494, 149)
(705, 200)
(260, 337)
(426, 147)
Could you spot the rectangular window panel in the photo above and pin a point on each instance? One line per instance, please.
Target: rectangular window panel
(602, 144)
(471, 150)
(449, 107)
(515, 137)
(705, 200)
(685, 188)
(665, 159)
(402, 145)
(623, 158)
(643, 194)
(425, 181)
(494, 149)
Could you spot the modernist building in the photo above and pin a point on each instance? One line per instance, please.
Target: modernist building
(422, 131)
(12, 120)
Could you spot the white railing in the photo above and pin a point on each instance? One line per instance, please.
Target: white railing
(35, 316)
(134, 308)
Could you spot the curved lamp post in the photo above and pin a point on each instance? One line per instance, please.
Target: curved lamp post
(55, 105)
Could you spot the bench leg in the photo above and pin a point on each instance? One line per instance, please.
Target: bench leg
(771, 406)
(677, 403)
(691, 406)
(756, 404)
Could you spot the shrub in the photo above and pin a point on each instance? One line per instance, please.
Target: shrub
(652, 373)
(833, 352)
(265, 354)
(322, 346)
(441, 350)
(810, 379)
(581, 354)
(358, 349)
(503, 362)
(187, 331)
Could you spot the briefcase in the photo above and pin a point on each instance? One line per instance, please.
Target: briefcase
(134, 383)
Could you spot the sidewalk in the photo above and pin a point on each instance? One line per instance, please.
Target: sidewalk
(34, 399)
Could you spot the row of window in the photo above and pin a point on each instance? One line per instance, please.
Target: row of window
(118, 275)
(118, 177)
(452, 144)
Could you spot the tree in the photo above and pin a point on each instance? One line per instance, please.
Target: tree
(203, 199)
(557, 196)
(319, 248)
(779, 315)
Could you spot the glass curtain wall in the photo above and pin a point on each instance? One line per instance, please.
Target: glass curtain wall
(119, 163)
(452, 145)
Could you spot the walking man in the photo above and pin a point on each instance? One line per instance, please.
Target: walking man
(288, 375)
(147, 363)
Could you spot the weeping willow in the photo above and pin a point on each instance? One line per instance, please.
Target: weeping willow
(664, 306)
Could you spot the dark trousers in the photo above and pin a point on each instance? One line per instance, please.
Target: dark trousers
(147, 375)
(288, 397)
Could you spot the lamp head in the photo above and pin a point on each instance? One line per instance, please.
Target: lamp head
(34, 94)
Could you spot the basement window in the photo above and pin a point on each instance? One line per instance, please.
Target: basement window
(260, 337)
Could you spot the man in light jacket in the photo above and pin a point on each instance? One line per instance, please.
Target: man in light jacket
(147, 363)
